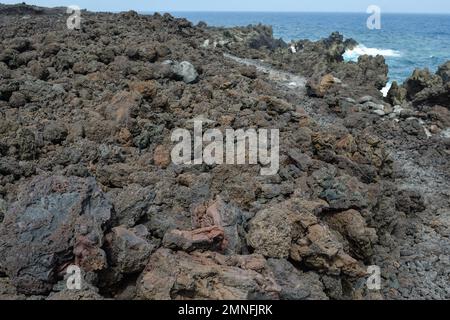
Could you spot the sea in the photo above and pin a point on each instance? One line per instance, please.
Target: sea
(407, 41)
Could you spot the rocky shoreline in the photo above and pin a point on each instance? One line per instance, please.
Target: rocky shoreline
(86, 177)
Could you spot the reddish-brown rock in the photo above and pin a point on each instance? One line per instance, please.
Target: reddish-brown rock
(178, 275)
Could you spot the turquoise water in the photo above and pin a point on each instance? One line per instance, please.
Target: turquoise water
(407, 41)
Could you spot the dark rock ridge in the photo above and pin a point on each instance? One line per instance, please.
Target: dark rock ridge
(86, 176)
(424, 88)
(25, 9)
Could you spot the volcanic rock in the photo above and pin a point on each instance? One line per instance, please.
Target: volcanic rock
(178, 275)
(184, 70)
(54, 221)
(295, 284)
(128, 250)
(205, 239)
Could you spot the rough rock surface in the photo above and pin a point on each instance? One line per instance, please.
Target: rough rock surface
(128, 250)
(423, 87)
(183, 70)
(295, 284)
(209, 238)
(178, 275)
(55, 220)
(86, 175)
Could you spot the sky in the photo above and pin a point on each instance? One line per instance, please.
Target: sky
(404, 6)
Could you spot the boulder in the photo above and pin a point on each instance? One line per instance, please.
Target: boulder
(204, 239)
(249, 71)
(162, 157)
(17, 100)
(270, 232)
(410, 201)
(183, 70)
(354, 228)
(147, 89)
(146, 52)
(128, 249)
(320, 249)
(343, 192)
(319, 88)
(7, 88)
(296, 284)
(38, 70)
(230, 219)
(55, 220)
(122, 106)
(131, 204)
(55, 132)
(291, 230)
(26, 140)
(212, 276)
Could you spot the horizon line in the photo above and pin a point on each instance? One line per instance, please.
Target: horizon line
(269, 11)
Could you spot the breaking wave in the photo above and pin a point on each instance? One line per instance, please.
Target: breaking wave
(386, 89)
(353, 54)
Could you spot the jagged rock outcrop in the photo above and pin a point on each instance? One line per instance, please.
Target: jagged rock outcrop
(424, 88)
(24, 9)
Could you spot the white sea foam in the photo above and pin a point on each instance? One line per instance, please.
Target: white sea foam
(353, 54)
(386, 89)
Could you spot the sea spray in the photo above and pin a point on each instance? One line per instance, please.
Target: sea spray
(355, 53)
